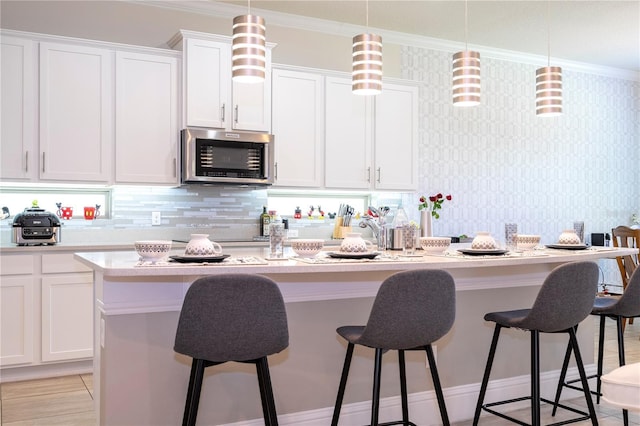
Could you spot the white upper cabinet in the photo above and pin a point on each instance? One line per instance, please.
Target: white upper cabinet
(76, 113)
(146, 139)
(18, 143)
(205, 90)
(211, 99)
(298, 127)
(371, 141)
(348, 149)
(396, 138)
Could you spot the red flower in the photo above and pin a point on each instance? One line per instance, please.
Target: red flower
(436, 203)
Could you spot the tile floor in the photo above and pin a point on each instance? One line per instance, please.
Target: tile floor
(68, 400)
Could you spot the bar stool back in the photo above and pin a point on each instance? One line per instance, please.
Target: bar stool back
(627, 306)
(231, 317)
(564, 300)
(411, 310)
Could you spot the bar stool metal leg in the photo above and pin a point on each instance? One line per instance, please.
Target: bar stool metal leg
(375, 398)
(583, 376)
(487, 371)
(535, 378)
(266, 392)
(403, 388)
(620, 329)
(343, 384)
(193, 392)
(436, 385)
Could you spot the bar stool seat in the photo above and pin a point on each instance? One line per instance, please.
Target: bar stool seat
(231, 317)
(621, 387)
(565, 298)
(412, 310)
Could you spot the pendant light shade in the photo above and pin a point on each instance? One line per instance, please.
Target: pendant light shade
(465, 84)
(548, 91)
(248, 50)
(466, 78)
(548, 82)
(366, 76)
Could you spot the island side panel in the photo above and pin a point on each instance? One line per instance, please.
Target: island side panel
(145, 381)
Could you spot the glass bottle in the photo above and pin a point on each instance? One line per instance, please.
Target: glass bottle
(265, 220)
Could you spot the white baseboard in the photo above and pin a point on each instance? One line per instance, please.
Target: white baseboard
(423, 406)
(31, 372)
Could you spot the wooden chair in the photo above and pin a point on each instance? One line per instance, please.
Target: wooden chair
(623, 236)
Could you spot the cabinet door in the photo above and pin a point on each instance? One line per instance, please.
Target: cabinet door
(18, 109)
(205, 85)
(252, 103)
(298, 128)
(347, 136)
(146, 118)
(76, 119)
(396, 138)
(67, 316)
(16, 319)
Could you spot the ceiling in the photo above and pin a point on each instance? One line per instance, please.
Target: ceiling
(604, 33)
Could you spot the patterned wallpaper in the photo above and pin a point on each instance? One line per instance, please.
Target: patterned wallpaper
(503, 164)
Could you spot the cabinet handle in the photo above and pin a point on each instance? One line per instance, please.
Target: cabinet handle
(175, 167)
(235, 115)
(369, 174)
(43, 162)
(222, 112)
(379, 174)
(26, 161)
(275, 166)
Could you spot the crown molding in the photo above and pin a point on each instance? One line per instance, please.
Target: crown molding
(225, 10)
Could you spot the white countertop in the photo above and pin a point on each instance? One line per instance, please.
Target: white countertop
(126, 263)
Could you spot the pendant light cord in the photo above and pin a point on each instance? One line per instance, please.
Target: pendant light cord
(367, 15)
(466, 31)
(548, 34)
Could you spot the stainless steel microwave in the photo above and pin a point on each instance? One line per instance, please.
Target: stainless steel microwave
(210, 156)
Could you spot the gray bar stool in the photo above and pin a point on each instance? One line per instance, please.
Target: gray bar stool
(411, 310)
(231, 317)
(626, 306)
(565, 298)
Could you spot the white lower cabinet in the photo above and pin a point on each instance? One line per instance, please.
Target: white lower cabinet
(67, 308)
(16, 319)
(46, 313)
(67, 317)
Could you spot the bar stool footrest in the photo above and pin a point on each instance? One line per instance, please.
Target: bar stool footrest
(486, 407)
(568, 384)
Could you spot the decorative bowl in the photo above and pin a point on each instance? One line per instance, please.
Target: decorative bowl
(152, 250)
(354, 243)
(435, 244)
(569, 236)
(307, 247)
(484, 241)
(527, 242)
(200, 245)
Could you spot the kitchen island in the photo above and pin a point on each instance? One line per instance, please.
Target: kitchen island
(139, 379)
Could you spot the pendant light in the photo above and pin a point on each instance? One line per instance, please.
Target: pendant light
(466, 73)
(248, 49)
(366, 75)
(548, 84)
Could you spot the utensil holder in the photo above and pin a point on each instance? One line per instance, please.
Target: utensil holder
(344, 231)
